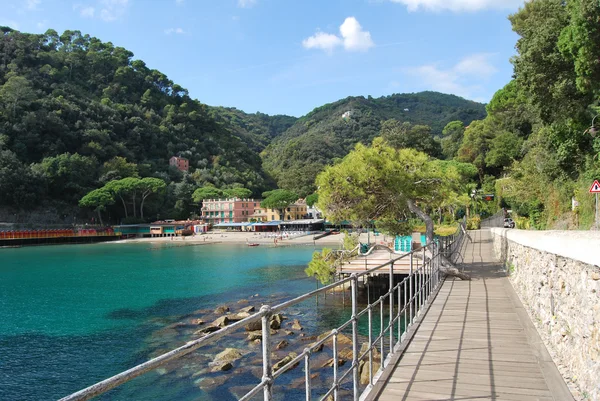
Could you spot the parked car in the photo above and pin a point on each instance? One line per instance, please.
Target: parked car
(509, 223)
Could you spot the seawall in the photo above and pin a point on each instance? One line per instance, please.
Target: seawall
(557, 276)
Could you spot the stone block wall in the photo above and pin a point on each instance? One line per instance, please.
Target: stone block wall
(561, 291)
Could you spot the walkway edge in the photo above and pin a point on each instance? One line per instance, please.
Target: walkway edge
(382, 380)
(554, 380)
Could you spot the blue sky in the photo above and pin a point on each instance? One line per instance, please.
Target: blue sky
(290, 56)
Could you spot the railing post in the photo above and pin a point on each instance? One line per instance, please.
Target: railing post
(355, 377)
(370, 313)
(411, 288)
(422, 281)
(381, 332)
(405, 304)
(307, 372)
(399, 317)
(335, 365)
(266, 349)
(391, 323)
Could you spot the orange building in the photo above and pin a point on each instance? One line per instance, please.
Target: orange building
(179, 162)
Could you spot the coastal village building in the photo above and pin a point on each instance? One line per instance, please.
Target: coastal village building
(296, 211)
(234, 210)
(180, 163)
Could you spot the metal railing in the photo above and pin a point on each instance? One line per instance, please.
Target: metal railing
(404, 302)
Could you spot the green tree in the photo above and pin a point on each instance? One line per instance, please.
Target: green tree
(405, 135)
(122, 189)
(541, 69)
(16, 91)
(380, 182)
(504, 149)
(321, 266)
(148, 186)
(476, 143)
(278, 199)
(118, 167)
(208, 192)
(312, 199)
(452, 137)
(241, 193)
(579, 41)
(97, 199)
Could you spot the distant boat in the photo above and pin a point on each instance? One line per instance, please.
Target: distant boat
(253, 244)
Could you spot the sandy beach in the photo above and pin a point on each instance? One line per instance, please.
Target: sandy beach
(229, 237)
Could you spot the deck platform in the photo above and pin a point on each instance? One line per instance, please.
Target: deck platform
(377, 258)
(476, 342)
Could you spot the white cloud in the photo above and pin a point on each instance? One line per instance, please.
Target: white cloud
(246, 3)
(112, 10)
(463, 79)
(107, 10)
(178, 31)
(460, 5)
(352, 37)
(322, 40)
(477, 65)
(32, 5)
(87, 12)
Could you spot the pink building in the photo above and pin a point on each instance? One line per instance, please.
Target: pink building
(234, 210)
(179, 162)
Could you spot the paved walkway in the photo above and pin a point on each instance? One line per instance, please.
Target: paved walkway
(476, 342)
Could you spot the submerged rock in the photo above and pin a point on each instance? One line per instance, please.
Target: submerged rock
(221, 322)
(285, 361)
(210, 383)
(254, 326)
(254, 335)
(206, 330)
(296, 325)
(247, 309)
(221, 309)
(228, 355)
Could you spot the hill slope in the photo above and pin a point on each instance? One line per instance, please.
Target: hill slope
(70, 103)
(332, 130)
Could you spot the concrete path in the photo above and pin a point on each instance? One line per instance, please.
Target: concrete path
(476, 342)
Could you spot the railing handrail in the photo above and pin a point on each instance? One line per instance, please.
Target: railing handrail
(267, 311)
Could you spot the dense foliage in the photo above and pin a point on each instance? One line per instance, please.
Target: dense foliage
(329, 132)
(534, 148)
(76, 113)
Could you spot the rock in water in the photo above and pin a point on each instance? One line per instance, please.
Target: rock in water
(228, 355)
(222, 309)
(285, 361)
(221, 322)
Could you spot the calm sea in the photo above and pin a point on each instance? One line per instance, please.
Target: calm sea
(74, 315)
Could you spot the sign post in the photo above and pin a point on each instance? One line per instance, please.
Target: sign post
(595, 189)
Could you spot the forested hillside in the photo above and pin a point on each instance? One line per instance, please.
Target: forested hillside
(257, 130)
(331, 131)
(76, 112)
(535, 148)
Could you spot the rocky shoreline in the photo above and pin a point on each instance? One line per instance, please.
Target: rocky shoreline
(232, 366)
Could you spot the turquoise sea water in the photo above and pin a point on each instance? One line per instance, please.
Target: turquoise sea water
(73, 315)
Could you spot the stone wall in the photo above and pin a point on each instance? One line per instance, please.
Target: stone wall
(557, 277)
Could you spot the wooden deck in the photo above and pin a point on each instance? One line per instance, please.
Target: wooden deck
(476, 342)
(377, 258)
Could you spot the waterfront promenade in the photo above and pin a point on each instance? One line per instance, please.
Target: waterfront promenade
(476, 342)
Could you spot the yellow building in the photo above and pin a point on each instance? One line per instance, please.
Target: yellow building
(296, 211)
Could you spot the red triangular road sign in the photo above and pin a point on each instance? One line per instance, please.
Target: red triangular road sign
(595, 189)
